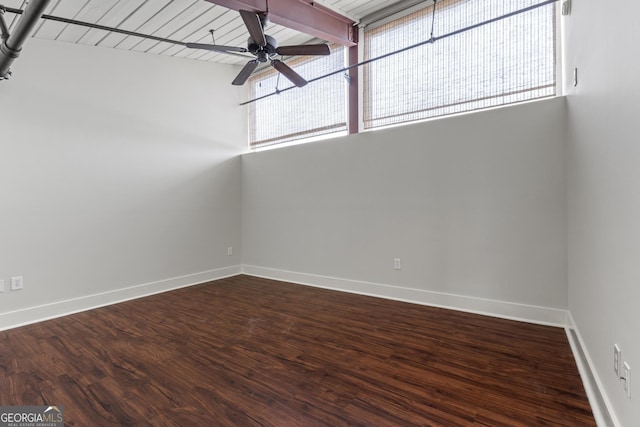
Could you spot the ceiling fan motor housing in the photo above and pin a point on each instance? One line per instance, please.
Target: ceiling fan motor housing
(263, 53)
(264, 48)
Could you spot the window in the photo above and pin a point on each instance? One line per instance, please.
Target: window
(506, 61)
(317, 109)
(492, 61)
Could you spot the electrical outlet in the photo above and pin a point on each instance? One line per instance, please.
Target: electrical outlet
(17, 283)
(229, 251)
(626, 376)
(396, 264)
(1, 285)
(617, 358)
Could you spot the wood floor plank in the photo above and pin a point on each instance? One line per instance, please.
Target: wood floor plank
(245, 351)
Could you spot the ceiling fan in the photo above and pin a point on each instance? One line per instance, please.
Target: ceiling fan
(264, 48)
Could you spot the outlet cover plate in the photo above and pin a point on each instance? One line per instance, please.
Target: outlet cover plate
(626, 374)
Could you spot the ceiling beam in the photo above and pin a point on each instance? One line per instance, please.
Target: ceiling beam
(305, 16)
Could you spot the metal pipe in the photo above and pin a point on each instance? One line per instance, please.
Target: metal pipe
(11, 47)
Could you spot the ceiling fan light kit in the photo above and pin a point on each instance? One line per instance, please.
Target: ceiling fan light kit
(264, 48)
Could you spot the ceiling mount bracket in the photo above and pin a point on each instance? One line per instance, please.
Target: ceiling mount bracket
(4, 35)
(4, 29)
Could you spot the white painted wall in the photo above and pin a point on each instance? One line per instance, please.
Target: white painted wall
(116, 169)
(473, 205)
(604, 190)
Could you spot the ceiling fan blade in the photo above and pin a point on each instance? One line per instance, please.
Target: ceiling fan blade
(304, 49)
(253, 24)
(244, 74)
(295, 78)
(216, 47)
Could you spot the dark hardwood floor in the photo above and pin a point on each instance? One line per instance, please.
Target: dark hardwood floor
(245, 351)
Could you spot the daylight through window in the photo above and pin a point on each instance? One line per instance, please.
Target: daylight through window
(507, 61)
(316, 109)
(498, 63)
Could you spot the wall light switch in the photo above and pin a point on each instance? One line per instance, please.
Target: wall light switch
(1, 285)
(16, 283)
(396, 264)
(617, 360)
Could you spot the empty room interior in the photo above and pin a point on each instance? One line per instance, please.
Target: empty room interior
(302, 213)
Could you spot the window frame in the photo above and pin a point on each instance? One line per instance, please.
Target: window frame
(427, 7)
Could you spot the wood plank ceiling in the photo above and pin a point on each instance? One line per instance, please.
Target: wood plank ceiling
(180, 20)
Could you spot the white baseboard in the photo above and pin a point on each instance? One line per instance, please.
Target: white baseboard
(40, 313)
(598, 399)
(502, 309)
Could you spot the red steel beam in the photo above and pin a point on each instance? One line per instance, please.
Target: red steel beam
(305, 16)
(353, 123)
